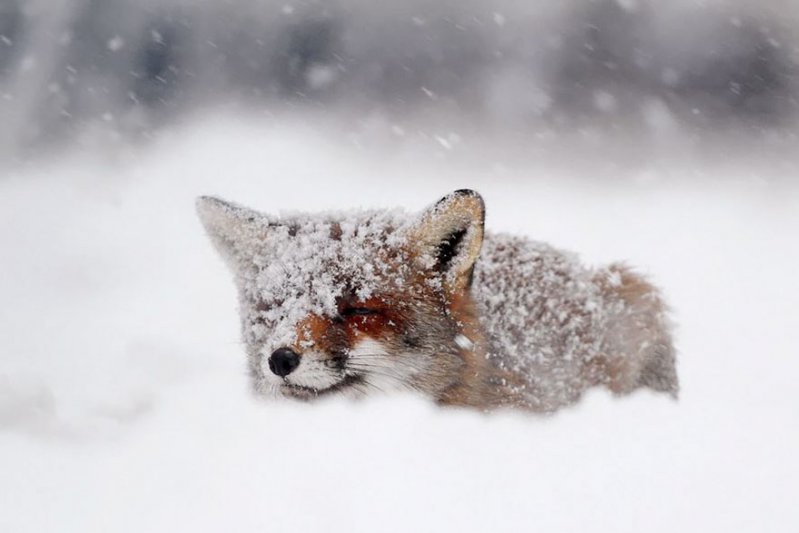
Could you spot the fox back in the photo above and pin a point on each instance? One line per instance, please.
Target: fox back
(360, 302)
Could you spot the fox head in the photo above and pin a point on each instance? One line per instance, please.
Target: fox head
(355, 302)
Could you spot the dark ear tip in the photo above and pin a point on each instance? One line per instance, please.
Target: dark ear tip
(463, 193)
(214, 204)
(468, 193)
(208, 207)
(207, 202)
(213, 211)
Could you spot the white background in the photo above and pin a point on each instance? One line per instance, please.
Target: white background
(124, 404)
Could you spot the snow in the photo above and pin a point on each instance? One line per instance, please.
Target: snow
(115, 43)
(529, 66)
(124, 398)
(552, 322)
(290, 267)
(552, 326)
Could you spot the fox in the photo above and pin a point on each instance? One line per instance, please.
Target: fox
(360, 302)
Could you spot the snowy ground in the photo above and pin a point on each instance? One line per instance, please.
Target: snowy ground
(124, 404)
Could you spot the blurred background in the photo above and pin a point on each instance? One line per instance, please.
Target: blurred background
(661, 133)
(536, 73)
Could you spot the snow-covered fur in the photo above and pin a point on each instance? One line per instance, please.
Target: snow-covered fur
(358, 302)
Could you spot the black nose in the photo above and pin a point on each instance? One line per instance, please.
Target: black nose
(283, 361)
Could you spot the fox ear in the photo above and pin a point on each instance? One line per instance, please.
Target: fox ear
(448, 237)
(236, 231)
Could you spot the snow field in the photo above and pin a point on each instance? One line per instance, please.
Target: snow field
(123, 395)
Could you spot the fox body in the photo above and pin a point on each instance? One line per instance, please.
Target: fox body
(377, 300)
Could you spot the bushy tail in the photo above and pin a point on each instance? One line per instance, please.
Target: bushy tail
(639, 341)
(660, 369)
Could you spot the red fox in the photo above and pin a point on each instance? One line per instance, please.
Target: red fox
(352, 303)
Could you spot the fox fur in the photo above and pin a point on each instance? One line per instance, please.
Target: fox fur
(367, 301)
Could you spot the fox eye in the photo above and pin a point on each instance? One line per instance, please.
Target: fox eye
(358, 311)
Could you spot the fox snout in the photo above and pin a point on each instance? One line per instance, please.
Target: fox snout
(318, 340)
(283, 361)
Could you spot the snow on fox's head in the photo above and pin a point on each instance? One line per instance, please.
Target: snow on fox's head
(352, 302)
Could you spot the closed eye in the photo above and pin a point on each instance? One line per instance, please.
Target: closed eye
(358, 311)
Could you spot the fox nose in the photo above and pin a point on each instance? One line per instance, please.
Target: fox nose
(283, 361)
